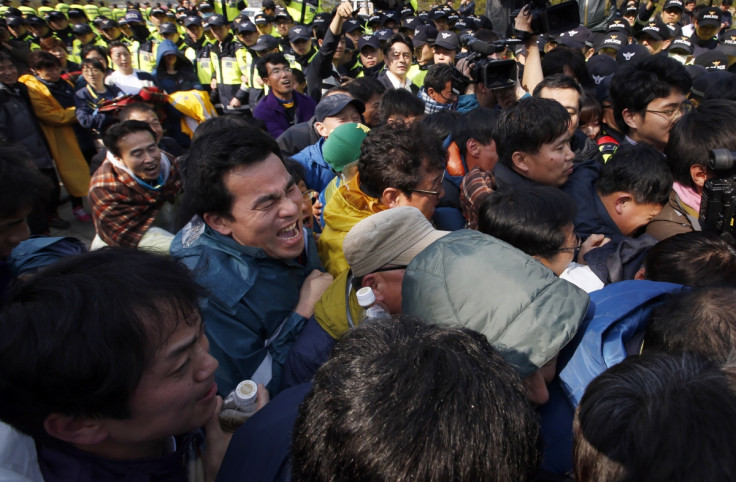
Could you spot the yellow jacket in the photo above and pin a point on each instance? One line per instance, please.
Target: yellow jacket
(348, 206)
(56, 123)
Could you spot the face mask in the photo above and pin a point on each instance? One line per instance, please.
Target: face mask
(682, 58)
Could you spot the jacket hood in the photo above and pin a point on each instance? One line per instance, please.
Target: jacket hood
(169, 47)
(478, 282)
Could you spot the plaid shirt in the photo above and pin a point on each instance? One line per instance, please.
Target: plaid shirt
(122, 209)
(431, 106)
(474, 189)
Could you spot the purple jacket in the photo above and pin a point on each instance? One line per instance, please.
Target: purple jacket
(271, 112)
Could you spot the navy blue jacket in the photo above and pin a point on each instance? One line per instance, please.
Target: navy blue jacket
(592, 217)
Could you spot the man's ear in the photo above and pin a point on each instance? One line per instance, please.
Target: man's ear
(390, 197)
(75, 430)
(699, 174)
(376, 283)
(641, 274)
(472, 147)
(520, 162)
(621, 199)
(321, 129)
(632, 119)
(219, 223)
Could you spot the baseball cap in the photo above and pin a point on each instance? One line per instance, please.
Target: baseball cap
(246, 26)
(390, 238)
(727, 44)
(343, 145)
(15, 21)
(158, 11)
(613, 40)
(75, 12)
(268, 4)
(265, 42)
(437, 14)
(384, 34)
(576, 38)
(375, 18)
(320, 19)
(424, 34)
(216, 20)
(81, 29)
(631, 52)
(351, 25)
(282, 13)
(600, 66)
(368, 41)
(134, 16)
(54, 15)
(299, 32)
(193, 20)
(407, 11)
(618, 24)
(261, 19)
(710, 17)
(205, 6)
(712, 60)
(167, 28)
(390, 16)
(673, 3)
(448, 40)
(333, 104)
(655, 29)
(108, 23)
(35, 20)
(706, 80)
(681, 45)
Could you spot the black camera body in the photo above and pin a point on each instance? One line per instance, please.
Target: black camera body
(718, 202)
(495, 74)
(554, 19)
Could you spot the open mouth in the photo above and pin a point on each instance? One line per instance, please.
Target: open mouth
(289, 233)
(210, 393)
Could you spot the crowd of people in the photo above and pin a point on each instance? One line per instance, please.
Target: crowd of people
(546, 231)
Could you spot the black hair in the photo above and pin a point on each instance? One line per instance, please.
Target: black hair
(440, 124)
(591, 110)
(97, 48)
(400, 399)
(438, 76)
(115, 132)
(116, 44)
(393, 156)
(274, 58)
(532, 219)
(22, 184)
(398, 38)
(723, 88)
(40, 59)
(296, 170)
(478, 124)
(129, 109)
(685, 401)
(710, 126)
(637, 83)
(95, 64)
(555, 61)
(364, 88)
(527, 125)
(637, 169)
(78, 335)
(400, 102)
(560, 81)
(697, 258)
(214, 155)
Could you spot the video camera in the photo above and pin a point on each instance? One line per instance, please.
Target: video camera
(718, 203)
(552, 19)
(495, 74)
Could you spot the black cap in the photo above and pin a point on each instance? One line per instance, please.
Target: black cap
(54, 15)
(710, 17)
(656, 29)
(167, 27)
(613, 40)
(192, 20)
(108, 23)
(81, 29)
(448, 40)
(681, 45)
(268, 4)
(75, 12)
(631, 52)
(712, 60)
(424, 34)
(600, 66)
(15, 21)
(265, 42)
(351, 25)
(216, 20)
(244, 27)
(261, 19)
(368, 41)
(299, 32)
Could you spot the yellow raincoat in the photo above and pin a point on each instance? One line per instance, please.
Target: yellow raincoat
(56, 123)
(348, 206)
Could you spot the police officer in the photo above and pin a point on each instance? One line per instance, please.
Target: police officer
(228, 64)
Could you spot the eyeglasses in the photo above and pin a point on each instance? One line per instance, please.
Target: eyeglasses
(308, 196)
(431, 193)
(278, 72)
(672, 114)
(578, 244)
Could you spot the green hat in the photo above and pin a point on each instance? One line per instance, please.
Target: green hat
(343, 145)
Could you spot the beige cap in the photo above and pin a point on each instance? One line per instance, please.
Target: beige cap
(389, 238)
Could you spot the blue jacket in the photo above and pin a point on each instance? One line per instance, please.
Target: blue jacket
(185, 77)
(319, 173)
(617, 316)
(592, 217)
(248, 312)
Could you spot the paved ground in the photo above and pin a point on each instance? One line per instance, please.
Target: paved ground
(82, 231)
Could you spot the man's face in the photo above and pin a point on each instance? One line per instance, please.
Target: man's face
(266, 210)
(551, 165)
(13, 230)
(195, 32)
(653, 45)
(139, 152)
(329, 124)
(487, 156)
(424, 54)
(634, 216)
(280, 80)
(120, 58)
(570, 100)
(157, 19)
(446, 96)
(149, 118)
(370, 57)
(431, 183)
(354, 35)
(441, 24)
(671, 15)
(706, 32)
(387, 287)
(566, 254)
(340, 49)
(177, 392)
(653, 125)
(249, 39)
(111, 33)
(398, 59)
(220, 32)
(265, 28)
(444, 56)
(371, 114)
(8, 72)
(301, 46)
(283, 25)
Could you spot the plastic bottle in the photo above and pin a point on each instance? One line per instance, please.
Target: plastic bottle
(367, 300)
(239, 405)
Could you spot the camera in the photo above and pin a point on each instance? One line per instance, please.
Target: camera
(553, 19)
(718, 202)
(495, 74)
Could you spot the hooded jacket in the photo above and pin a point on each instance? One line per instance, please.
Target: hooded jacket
(185, 77)
(476, 281)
